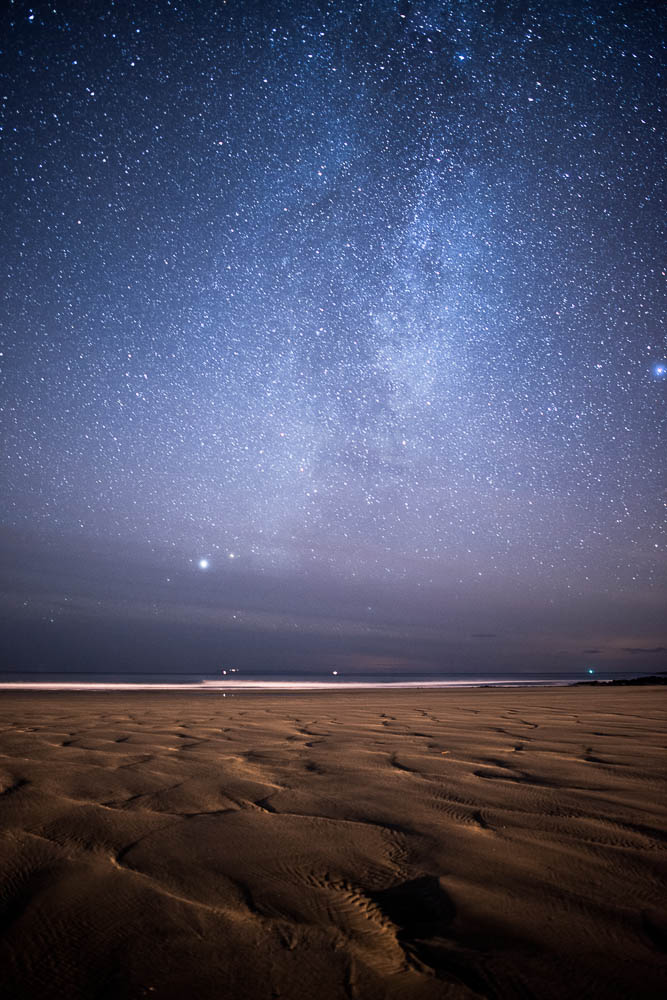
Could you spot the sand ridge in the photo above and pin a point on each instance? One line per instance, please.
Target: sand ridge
(484, 843)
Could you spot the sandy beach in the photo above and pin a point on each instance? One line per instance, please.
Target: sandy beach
(440, 844)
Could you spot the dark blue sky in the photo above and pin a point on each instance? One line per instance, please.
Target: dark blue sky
(360, 303)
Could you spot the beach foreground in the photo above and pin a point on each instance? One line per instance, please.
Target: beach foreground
(493, 843)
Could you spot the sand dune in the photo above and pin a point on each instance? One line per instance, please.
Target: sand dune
(412, 845)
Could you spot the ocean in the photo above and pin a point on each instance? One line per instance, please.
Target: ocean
(236, 681)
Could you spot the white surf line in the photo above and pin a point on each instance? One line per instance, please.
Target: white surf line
(238, 685)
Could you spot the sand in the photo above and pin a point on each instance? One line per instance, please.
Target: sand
(418, 845)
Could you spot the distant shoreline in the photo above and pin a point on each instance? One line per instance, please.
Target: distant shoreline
(652, 679)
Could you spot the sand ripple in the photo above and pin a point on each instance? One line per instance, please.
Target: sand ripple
(418, 845)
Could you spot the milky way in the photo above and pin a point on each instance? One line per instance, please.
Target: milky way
(333, 333)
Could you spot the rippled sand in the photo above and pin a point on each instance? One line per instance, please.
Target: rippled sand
(485, 843)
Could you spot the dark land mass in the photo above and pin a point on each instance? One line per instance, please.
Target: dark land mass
(626, 682)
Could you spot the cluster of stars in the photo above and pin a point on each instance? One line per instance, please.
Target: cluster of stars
(372, 289)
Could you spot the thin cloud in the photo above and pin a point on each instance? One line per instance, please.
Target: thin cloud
(645, 649)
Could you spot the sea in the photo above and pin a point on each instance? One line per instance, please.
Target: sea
(233, 681)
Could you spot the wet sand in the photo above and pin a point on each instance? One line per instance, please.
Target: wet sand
(440, 844)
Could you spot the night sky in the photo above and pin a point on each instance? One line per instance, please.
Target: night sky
(332, 336)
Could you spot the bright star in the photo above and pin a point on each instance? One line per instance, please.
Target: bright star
(660, 370)
(203, 564)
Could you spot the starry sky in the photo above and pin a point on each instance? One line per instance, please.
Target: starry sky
(333, 336)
